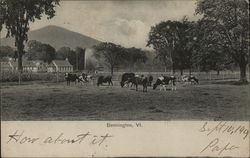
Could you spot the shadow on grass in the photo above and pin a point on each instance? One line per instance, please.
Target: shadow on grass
(236, 83)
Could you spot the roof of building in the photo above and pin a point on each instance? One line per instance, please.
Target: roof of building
(5, 65)
(62, 62)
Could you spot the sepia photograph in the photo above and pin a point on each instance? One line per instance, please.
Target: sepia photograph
(125, 60)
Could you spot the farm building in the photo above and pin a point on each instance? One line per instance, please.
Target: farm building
(12, 65)
(60, 66)
(5, 66)
(40, 66)
(27, 66)
(37, 66)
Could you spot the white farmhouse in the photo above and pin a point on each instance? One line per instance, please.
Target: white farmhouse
(60, 66)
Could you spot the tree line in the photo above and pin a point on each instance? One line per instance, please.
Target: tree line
(114, 55)
(45, 52)
(218, 40)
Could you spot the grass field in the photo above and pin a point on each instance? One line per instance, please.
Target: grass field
(217, 100)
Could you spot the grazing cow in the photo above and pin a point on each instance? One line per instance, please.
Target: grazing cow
(90, 77)
(83, 78)
(102, 79)
(125, 78)
(137, 80)
(191, 79)
(164, 81)
(71, 78)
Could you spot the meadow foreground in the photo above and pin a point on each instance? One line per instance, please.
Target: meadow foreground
(56, 101)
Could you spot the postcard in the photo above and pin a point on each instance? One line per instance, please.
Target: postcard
(131, 78)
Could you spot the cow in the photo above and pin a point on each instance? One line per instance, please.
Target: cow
(164, 81)
(71, 78)
(104, 79)
(139, 80)
(190, 78)
(125, 78)
(90, 77)
(85, 77)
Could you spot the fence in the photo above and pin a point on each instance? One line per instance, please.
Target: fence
(58, 77)
(203, 76)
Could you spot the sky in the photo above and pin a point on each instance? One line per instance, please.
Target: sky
(126, 22)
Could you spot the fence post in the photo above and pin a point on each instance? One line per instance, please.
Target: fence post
(223, 77)
(19, 77)
(57, 76)
(210, 75)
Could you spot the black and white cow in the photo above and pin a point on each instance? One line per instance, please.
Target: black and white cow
(71, 78)
(164, 81)
(125, 78)
(190, 78)
(85, 77)
(104, 79)
(139, 80)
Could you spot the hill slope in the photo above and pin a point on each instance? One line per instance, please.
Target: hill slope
(56, 37)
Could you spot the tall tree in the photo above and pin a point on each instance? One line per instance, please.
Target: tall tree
(17, 14)
(63, 53)
(67, 53)
(164, 37)
(184, 47)
(209, 53)
(135, 55)
(6, 51)
(228, 20)
(40, 51)
(111, 53)
(80, 58)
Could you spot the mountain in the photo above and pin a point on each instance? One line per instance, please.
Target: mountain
(56, 37)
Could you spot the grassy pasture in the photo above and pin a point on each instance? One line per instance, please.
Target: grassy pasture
(211, 100)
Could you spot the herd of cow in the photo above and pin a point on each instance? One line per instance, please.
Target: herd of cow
(133, 80)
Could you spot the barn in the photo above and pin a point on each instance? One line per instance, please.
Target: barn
(60, 66)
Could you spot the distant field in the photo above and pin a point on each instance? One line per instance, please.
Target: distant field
(58, 77)
(55, 101)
